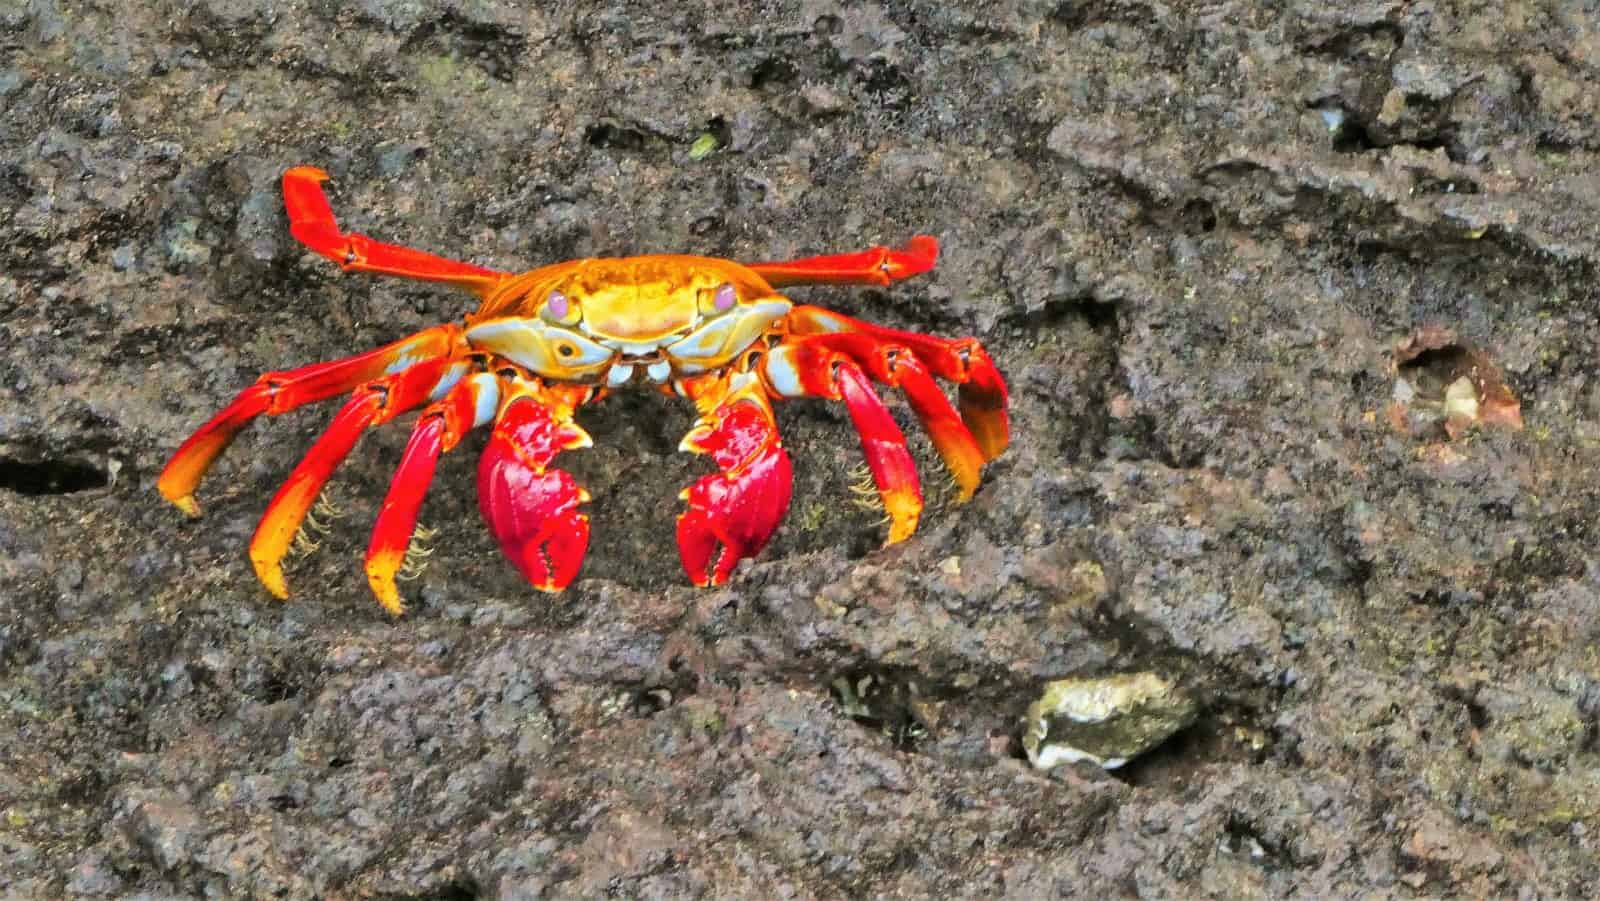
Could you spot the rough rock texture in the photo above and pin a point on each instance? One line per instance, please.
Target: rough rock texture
(1192, 235)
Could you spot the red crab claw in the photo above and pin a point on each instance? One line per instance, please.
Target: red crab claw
(740, 507)
(532, 509)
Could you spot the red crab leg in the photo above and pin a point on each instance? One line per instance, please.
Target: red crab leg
(874, 266)
(811, 369)
(739, 507)
(311, 221)
(280, 392)
(981, 392)
(375, 402)
(533, 509)
(897, 365)
(885, 447)
(471, 403)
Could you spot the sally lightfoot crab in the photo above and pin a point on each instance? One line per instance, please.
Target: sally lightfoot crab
(545, 342)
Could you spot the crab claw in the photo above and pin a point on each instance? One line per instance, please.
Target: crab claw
(532, 509)
(740, 507)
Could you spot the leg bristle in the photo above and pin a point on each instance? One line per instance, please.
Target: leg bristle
(320, 518)
(303, 544)
(317, 523)
(326, 507)
(415, 562)
(864, 490)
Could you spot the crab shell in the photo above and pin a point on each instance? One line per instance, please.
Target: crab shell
(605, 321)
(545, 342)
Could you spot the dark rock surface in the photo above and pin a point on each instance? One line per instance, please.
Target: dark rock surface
(1191, 234)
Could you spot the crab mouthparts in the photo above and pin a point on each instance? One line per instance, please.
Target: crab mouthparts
(655, 367)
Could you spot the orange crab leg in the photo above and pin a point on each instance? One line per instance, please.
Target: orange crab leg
(874, 266)
(531, 508)
(885, 447)
(471, 403)
(738, 508)
(375, 402)
(311, 222)
(981, 392)
(280, 392)
(811, 369)
(897, 365)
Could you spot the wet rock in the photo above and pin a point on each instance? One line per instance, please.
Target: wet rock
(1189, 239)
(164, 825)
(93, 876)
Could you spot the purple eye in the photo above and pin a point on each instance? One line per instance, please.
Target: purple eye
(724, 299)
(557, 305)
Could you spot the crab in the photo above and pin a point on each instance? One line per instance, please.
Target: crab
(543, 343)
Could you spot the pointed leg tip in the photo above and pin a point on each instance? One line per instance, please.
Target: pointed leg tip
(905, 511)
(187, 504)
(270, 574)
(901, 526)
(311, 173)
(993, 443)
(387, 593)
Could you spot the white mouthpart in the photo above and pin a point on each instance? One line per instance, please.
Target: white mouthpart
(637, 348)
(658, 371)
(619, 375)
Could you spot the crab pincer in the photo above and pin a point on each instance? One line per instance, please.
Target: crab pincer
(531, 508)
(738, 508)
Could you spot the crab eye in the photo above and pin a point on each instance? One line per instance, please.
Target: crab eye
(725, 298)
(559, 308)
(566, 350)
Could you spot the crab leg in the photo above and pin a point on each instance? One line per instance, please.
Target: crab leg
(897, 365)
(874, 266)
(739, 507)
(471, 403)
(311, 222)
(981, 392)
(280, 392)
(373, 403)
(812, 369)
(531, 508)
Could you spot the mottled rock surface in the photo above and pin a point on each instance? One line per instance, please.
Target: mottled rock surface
(1191, 234)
